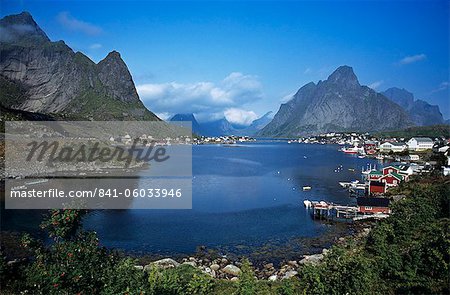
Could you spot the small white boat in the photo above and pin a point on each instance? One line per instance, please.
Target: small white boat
(307, 204)
(307, 188)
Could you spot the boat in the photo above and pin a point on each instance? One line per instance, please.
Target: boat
(361, 156)
(352, 184)
(351, 169)
(351, 150)
(379, 157)
(307, 188)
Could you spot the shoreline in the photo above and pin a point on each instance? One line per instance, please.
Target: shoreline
(269, 259)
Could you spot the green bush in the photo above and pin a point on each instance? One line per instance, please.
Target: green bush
(407, 253)
(247, 280)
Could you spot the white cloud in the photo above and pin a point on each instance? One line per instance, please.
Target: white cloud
(375, 84)
(73, 24)
(240, 116)
(164, 116)
(443, 86)
(202, 98)
(307, 71)
(287, 98)
(412, 59)
(95, 46)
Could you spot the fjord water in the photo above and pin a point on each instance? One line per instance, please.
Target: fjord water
(245, 194)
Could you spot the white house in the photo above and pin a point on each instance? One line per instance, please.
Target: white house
(395, 147)
(443, 149)
(420, 144)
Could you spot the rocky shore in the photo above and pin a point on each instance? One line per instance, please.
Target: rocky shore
(229, 267)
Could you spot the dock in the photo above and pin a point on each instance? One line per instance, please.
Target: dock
(322, 209)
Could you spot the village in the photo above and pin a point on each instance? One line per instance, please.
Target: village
(407, 159)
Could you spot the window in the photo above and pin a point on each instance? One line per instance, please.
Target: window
(368, 208)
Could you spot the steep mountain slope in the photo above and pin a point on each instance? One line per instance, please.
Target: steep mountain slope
(48, 77)
(420, 112)
(217, 128)
(339, 103)
(188, 118)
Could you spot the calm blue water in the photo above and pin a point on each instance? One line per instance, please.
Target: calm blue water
(250, 194)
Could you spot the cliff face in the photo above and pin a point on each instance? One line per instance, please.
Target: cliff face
(420, 112)
(339, 103)
(54, 79)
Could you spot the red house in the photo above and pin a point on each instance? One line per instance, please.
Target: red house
(376, 187)
(391, 179)
(390, 169)
(375, 175)
(380, 181)
(369, 205)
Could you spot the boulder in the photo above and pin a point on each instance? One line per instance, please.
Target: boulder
(234, 279)
(289, 274)
(311, 259)
(273, 278)
(231, 270)
(163, 263)
(214, 267)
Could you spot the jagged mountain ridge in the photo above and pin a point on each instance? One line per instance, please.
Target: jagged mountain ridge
(50, 77)
(222, 126)
(339, 103)
(420, 112)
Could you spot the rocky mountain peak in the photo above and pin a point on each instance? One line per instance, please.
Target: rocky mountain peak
(336, 105)
(50, 78)
(20, 27)
(402, 97)
(112, 72)
(420, 112)
(344, 75)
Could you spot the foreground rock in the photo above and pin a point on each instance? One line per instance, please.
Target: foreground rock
(232, 270)
(163, 263)
(312, 259)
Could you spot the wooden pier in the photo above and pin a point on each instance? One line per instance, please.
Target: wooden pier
(330, 210)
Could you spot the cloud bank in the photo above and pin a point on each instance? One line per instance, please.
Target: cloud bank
(73, 24)
(412, 59)
(207, 100)
(375, 85)
(239, 116)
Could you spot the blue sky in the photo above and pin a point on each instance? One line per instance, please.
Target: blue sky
(242, 59)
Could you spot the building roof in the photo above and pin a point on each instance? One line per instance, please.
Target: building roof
(400, 144)
(396, 175)
(423, 139)
(392, 166)
(375, 172)
(372, 202)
